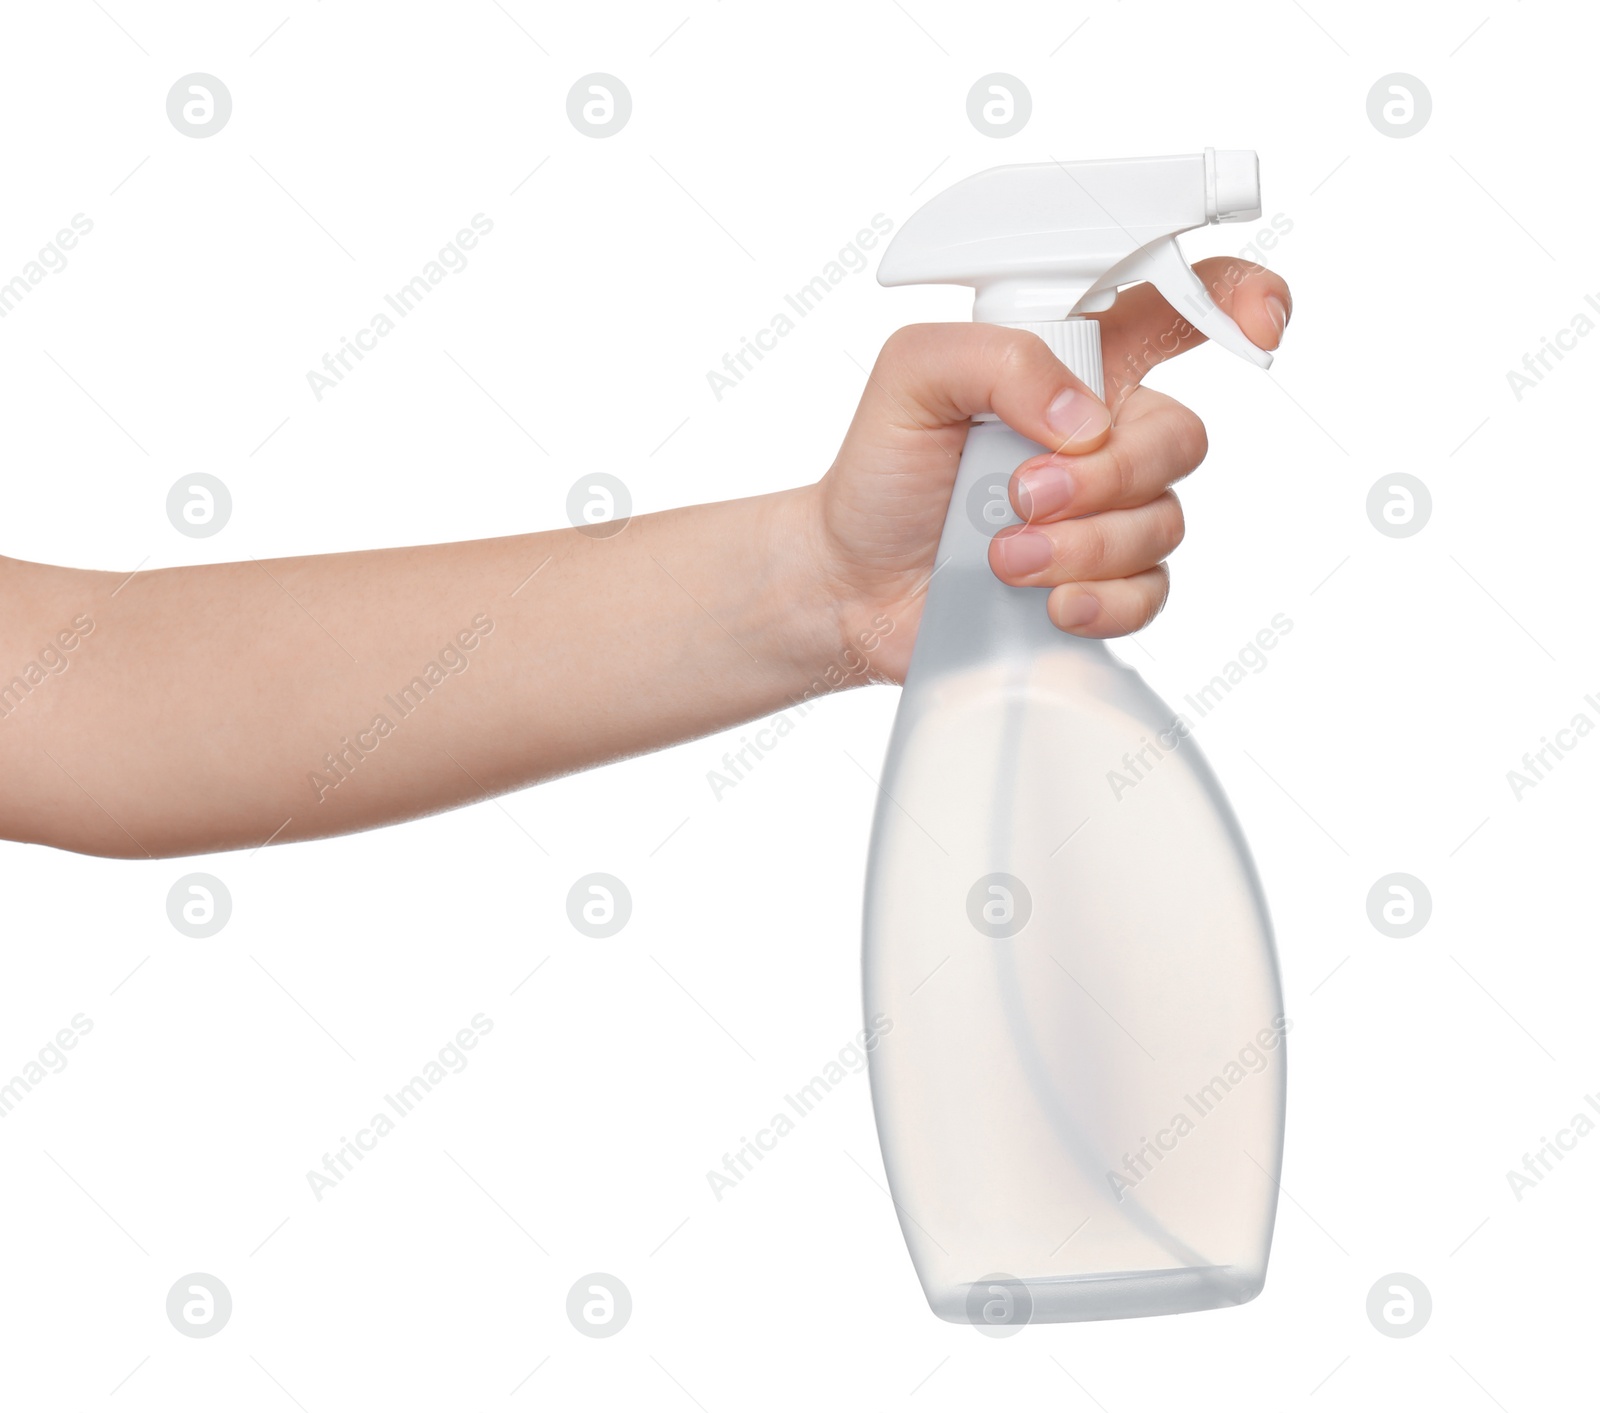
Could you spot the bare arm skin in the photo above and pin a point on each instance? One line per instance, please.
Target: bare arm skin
(197, 709)
(207, 706)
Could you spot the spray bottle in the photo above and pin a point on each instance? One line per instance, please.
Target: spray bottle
(1081, 1104)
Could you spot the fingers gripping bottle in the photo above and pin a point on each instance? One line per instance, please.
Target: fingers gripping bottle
(1081, 1101)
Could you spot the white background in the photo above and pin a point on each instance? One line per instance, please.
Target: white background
(762, 138)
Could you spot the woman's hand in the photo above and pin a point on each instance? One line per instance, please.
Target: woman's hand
(435, 675)
(1101, 515)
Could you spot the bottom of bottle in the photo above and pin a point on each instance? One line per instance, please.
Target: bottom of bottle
(1005, 1300)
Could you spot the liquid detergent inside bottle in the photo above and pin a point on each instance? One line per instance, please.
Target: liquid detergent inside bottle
(1081, 1100)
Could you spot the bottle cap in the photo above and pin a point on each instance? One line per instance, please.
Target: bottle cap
(1052, 240)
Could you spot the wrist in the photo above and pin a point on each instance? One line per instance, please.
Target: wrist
(834, 634)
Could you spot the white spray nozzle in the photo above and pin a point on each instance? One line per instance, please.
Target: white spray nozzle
(1052, 240)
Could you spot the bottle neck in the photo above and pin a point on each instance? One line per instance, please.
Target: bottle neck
(970, 614)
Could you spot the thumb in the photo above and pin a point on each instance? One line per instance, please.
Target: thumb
(933, 376)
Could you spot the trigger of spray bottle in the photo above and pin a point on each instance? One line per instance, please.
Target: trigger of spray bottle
(1050, 242)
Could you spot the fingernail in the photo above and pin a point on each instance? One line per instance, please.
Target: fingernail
(1080, 612)
(1077, 417)
(1278, 313)
(1045, 490)
(1024, 552)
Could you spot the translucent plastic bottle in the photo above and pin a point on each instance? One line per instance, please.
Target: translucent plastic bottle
(1081, 1101)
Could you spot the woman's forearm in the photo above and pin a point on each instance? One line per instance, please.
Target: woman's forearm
(225, 706)
(195, 709)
